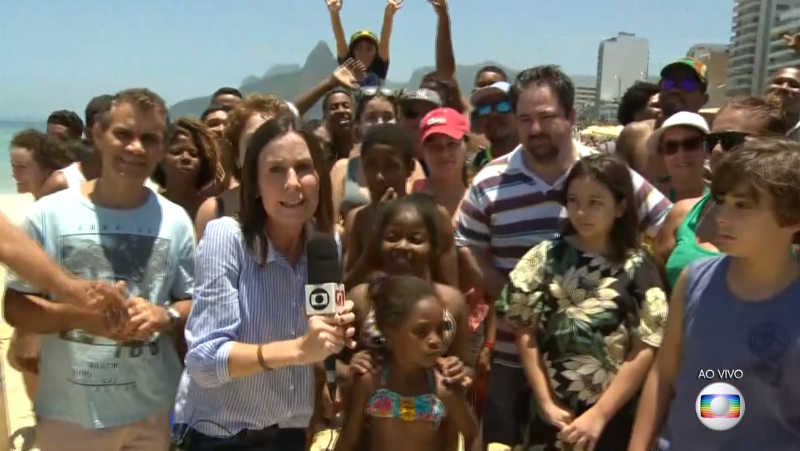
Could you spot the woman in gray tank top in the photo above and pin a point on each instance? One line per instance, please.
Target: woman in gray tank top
(734, 320)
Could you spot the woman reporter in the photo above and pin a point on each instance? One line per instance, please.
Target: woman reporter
(249, 381)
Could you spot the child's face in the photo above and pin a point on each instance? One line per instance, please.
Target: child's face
(384, 168)
(406, 244)
(592, 208)
(365, 50)
(420, 337)
(377, 110)
(747, 228)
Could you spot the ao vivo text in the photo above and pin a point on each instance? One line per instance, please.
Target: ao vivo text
(722, 375)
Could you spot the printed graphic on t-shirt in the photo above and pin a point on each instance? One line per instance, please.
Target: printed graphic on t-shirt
(140, 259)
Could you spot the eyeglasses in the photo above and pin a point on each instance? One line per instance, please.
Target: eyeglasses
(727, 140)
(371, 91)
(685, 85)
(501, 106)
(671, 147)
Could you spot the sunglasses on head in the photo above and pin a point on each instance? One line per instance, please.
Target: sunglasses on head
(685, 85)
(727, 140)
(672, 146)
(371, 91)
(501, 106)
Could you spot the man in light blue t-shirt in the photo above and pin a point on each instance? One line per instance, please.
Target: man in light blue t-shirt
(108, 379)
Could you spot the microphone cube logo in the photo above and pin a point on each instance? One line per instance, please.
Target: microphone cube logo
(720, 406)
(319, 299)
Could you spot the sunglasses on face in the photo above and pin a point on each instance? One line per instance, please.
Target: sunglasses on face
(502, 107)
(415, 113)
(727, 140)
(371, 91)
(672, 146)
(685, 85)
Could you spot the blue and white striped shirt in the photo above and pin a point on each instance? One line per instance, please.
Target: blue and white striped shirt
(236, 300)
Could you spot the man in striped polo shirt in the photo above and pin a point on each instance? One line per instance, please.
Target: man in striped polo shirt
(512, 205)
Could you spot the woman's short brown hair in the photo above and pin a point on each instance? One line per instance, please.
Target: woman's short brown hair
(252, 104)
(207, 147)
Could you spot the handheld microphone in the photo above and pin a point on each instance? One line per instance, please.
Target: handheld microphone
(324, 289)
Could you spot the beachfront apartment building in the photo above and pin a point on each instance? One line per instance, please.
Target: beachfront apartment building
(780, 55)
(622, 60)
(752, 29)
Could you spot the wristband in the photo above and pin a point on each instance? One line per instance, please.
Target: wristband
(488, 345)
(260, 355)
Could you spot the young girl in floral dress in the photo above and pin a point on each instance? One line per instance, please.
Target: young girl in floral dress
(589, 310)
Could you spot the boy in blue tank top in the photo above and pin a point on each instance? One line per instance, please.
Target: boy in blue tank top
(735, 320)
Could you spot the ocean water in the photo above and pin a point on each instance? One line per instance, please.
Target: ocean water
(7, 131)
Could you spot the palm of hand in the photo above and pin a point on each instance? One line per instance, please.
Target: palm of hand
(334, 5)
(345, 77)
(394, 5)
(349, 73)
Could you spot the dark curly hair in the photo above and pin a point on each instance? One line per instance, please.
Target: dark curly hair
(395, 297)
(48, 152)
(207, 147)
(635, 100)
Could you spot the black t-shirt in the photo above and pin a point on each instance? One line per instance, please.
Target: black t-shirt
(376, 72)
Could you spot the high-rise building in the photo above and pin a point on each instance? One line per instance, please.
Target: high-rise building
(780, 55)
(621, 61)
(751, 37)
(716, 58)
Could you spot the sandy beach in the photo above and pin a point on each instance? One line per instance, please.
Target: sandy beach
(15, 206)
(19, 417)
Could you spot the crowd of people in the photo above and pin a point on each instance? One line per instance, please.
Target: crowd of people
(507, 286)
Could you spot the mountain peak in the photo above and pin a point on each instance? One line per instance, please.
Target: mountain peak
(319, 60)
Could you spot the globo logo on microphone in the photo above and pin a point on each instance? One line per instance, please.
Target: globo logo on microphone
(319, 299)
(323, 299)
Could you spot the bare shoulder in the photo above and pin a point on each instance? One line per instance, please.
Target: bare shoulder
(55, 183)
(206, 213)
(680, 209)
(453, 298)
(357, 217)
(367, 383)
(339, 166)
(361, 305)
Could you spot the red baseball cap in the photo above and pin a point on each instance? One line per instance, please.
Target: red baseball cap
(445, 121)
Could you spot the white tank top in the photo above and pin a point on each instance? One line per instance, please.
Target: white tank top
(73, 175)
(75, 178)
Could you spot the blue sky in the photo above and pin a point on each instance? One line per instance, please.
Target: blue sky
(57, 54)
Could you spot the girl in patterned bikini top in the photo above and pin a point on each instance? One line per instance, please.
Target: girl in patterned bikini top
(407, 404)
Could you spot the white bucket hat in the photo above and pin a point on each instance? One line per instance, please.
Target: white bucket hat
(685, 119)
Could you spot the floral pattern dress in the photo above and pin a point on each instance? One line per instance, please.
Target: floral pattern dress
(585, 308)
